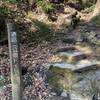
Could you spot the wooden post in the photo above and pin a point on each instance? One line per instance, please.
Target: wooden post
(14, 62)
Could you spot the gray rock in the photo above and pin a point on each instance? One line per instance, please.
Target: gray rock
(64, 94)
(53, 94)
(96, 96)
(58, 98)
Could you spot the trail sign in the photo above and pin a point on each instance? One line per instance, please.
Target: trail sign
(14, 62)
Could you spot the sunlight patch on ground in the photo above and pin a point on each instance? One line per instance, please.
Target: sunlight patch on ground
(86, 49)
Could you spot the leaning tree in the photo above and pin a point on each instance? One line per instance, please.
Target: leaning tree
(97, 9)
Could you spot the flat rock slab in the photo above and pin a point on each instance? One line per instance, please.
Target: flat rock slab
(73, 96)
(58, 98)
(79, 48)
(80, 66)
(72, 56)
(86, 50)
(84, 65)
(62, 65)
(83, 85)
(77, 96)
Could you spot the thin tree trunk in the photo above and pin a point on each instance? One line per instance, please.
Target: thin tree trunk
(97, 9)
(14, 62)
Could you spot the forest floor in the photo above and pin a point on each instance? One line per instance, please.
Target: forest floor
(37, 53)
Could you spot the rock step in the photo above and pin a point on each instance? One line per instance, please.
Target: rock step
(85, 49)
(58, 98)
(79, 48)
(85, 65)
(72, 56)
(67, 48)
(69, 40)
(75, 96)
(72, 96)
(80, 66)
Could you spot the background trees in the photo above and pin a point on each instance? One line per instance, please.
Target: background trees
(18, 9)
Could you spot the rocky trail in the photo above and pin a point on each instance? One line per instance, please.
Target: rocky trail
(76, 59)
(64, 70)
(70, 63)
(58, 61)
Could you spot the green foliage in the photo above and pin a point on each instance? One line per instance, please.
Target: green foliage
(56, 83)
(96, 20)
(4, 11)
(90, 9)
(45, 5)
(62, 79)
(88, 3)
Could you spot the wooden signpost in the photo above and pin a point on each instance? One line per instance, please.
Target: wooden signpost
(14, 62)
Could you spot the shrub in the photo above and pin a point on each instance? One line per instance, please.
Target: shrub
(4, 11)
(96, 20)
(45, 5)
(88, 3)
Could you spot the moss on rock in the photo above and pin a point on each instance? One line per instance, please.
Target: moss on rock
(62, 78)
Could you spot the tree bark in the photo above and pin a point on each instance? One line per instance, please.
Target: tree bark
(14, 62)
(97, 9)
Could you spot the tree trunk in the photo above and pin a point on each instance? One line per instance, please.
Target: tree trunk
(97, 9)
(14, 62)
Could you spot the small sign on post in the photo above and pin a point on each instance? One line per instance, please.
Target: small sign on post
(14, 62)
